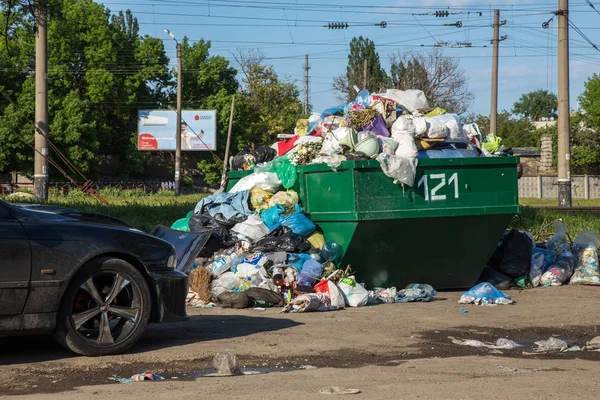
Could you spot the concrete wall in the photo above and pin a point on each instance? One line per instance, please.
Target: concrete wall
(545, 187)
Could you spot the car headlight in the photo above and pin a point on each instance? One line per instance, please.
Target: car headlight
(172, 262)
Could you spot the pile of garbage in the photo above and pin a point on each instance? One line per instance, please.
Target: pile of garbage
(261, 250)
(519, 262)
(395, 127)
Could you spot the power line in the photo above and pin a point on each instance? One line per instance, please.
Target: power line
(593, 7)
(576, 29)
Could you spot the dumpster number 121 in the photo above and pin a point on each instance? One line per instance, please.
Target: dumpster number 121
(424, 181)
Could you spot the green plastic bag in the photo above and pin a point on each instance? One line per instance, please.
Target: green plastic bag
(492, 143)
(183, 224)
(286, 172)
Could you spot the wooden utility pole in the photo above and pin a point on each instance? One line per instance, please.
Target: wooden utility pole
(365, 74)
(40, 172)
(306, 92)
(564, 156)
(226, 159)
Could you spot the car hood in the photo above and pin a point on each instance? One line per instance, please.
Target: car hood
(57, 213)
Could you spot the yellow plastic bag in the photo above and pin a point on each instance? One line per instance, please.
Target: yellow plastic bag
(259, 198)
(317, 240)
(287, 199)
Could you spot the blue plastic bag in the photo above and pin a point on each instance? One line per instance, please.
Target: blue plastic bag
(310, 273)
(299, 224)
(484, 293)
(272, 216)
(297, 260)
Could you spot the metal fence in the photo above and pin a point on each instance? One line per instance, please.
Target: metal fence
(546, 187)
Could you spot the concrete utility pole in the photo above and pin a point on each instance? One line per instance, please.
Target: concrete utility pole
(306, 93)
(495, 57)
(365, 74)
(564, 156)
(178, 120)
(40, 172)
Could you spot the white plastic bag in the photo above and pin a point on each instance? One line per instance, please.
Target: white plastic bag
(404, 126)
(332, 291)
(225, 282)
(265, 180)
(331, 144)
(445, 126)
(355, 295)
(253, 228)
(411, 99)
(535, 272)
(401, 169)
(406, 146)
(585, 247)
(559, 242)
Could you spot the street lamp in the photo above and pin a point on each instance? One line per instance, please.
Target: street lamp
(178, 128)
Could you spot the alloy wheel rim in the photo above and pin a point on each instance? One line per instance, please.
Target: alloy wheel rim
(106, 309)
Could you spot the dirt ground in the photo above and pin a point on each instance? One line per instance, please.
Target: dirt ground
(399, 351)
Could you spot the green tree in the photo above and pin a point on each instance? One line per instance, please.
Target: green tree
(515, 132)
(590, 101)
(585, 145)
(440, 78)
(272, 105)
(536, 105)
(361, 50)
(100, 71)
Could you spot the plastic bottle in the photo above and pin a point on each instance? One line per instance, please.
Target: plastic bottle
(422, 286)
(225, 264)
(247, 284)
(331, 251)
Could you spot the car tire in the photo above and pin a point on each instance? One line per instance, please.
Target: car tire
(105, 309)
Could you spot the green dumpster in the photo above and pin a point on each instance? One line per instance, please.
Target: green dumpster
(441, 232)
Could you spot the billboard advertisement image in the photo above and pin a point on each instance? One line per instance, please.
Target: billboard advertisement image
(157, 130)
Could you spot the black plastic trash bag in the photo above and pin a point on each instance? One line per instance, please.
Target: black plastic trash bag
(242, 159)
(218, 226)
(516, 251)
(498, 279)
(264, 298)
(264, 154)
(282, 239)
(233, 300)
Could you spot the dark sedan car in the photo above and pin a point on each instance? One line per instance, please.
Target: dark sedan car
(92, 280)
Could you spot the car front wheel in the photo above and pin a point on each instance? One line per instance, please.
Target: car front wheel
(105, 309)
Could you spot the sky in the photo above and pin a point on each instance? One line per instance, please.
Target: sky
(285, 30)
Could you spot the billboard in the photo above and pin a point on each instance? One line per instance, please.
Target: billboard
(157, 130)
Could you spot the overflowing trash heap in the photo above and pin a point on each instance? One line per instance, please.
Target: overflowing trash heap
(263, 251)
(395, 127)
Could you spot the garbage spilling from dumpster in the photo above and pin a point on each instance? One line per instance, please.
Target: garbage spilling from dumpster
(261, 250)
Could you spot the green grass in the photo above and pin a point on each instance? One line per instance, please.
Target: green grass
(539, 222)
(143, 212)
(146, 211)
(554, 202)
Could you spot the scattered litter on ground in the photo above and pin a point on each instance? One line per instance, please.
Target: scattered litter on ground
(552, 344)
(338, 390)
(484, 294)
(502, 343)
(226, 364)
(146, 376)
(522, 370)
